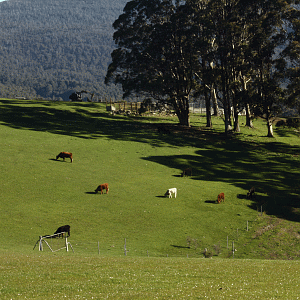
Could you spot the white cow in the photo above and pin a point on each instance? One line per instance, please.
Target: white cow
(169, 192)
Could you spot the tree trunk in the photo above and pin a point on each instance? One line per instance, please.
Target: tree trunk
(248, 116)
(184, 118)
(227, 116)
(270, 128)
(214, 100)
(182, 109)
(236, 127)
(208, 113)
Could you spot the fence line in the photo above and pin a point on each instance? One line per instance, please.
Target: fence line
(95, 246)
(123, 106)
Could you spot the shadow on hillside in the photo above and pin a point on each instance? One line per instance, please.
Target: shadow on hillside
(282, 132)
(270, 167)
(80, 121)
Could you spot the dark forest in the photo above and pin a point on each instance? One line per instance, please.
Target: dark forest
(50, 49)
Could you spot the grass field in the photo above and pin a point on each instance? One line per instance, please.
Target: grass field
(93, 277)
(39, 194)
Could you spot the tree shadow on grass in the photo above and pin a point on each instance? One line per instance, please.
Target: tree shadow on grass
(82, 120)
(270, 167)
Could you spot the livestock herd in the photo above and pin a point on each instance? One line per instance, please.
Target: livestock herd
(172, 191)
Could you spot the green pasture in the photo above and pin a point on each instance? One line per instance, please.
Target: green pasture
(92, 277)
(164, 237)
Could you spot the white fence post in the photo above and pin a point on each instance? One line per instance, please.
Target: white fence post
(125, 251)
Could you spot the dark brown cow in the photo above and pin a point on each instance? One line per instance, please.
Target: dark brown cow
(221, 197)
(251, 193)
(63, 229)
(187, 172)
(102, 187)
(63, 155)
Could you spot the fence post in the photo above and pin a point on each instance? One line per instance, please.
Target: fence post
(66, 239)
(247, 225)
(41, 244)
(125, 251)
(232, 249)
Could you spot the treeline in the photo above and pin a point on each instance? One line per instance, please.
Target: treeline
(49, 49)
(243, 54)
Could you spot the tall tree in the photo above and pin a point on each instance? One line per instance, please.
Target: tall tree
(156, 53)
(229, 34)
(292, 52)
(268, 27)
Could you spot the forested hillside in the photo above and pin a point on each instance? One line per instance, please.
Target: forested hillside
(52, 48)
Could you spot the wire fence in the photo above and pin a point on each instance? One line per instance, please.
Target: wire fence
(194, 248)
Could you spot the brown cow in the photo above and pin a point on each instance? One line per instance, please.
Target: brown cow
(63, 229)
(63, 155)
(102, 187)
(221, 197)
(187, 172)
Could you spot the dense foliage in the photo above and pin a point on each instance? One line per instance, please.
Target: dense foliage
(231, 50)
(52, 48)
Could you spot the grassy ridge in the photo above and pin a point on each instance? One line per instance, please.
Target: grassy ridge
(39, 194)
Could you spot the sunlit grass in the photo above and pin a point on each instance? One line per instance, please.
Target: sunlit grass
(93, 277)
(165, 238)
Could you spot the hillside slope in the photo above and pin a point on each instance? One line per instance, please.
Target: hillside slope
(51, 48)
(39, 193)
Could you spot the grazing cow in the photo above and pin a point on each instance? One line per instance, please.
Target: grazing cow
(169, 192)
(63, 229)
(187, 172)
(251, 193)
(63, 155)
(102, 187)
(221, 197)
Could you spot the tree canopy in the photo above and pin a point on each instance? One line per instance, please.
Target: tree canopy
(236, 50)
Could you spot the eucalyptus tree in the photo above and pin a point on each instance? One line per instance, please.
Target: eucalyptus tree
(156, 53)
(198, 14)
(292, 52)
(269, 34)
(228, 29)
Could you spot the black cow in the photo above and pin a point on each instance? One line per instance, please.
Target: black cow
(63, 229)
(251, 193)
(187, 172)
